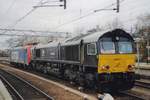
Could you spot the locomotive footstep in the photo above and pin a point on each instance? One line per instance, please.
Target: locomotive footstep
(72, 83)
(105, 96)
(80, 88)
(85, 97)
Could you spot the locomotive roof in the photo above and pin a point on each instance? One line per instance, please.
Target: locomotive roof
(51, 44)
(91, 37)
(87, 38)
(20, 47)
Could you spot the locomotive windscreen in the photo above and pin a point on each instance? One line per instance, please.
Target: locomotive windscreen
(124, 45)
(116, 43)
(107, 45)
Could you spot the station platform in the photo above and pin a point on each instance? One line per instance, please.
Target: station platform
(143, 66)
(4, 94)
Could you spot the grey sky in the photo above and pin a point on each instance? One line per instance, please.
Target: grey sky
(52, 17)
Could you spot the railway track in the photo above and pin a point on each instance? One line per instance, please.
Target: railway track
(14, 94)
(145, 77)
(21, 89)
(143, 72)
(142, 84)
(133, 95)
(63, 82)
(126, 95)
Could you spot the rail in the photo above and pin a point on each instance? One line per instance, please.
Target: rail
(142, 84)
(11, 88)
(133, 95)
(26, 87)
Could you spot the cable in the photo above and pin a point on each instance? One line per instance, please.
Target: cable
(11, 5)
(31, 31)
(20, 19)
(81, 17)
(21, 30)
(24, 35)
(110, 5)
(28, 13)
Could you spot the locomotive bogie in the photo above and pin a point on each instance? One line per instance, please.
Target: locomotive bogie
(119, 81)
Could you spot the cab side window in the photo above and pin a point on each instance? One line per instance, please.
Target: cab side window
(37, 52)
(43, 52)
(91, 49)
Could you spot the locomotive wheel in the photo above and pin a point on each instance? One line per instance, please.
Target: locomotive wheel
(81, 79)
(45, 70)
(90, 81)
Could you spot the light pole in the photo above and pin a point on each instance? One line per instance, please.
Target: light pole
(148, 53)
(137, 40)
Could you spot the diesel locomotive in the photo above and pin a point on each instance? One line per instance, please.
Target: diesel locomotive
(104, 60)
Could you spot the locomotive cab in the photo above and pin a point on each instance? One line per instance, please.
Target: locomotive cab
(116, 59)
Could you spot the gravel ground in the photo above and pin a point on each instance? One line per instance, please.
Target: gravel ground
(56, 90)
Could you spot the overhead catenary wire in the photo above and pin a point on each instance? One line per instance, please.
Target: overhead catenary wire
(110, 6)
(52, 5)
(49, 1)
(31, 35)
(23, 17)
(88, 14)
(21, 30)
(81, 17)
(28, 13)
(24, 35)
(10, 6)
(29, 31)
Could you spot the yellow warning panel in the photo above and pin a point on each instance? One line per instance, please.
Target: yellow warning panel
(116, 63)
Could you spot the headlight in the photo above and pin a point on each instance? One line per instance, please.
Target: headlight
(105, 67)
(130, 67)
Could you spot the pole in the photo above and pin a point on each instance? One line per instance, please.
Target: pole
(138, 54)
(118, 6)
(148, 53)
(65, 4)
